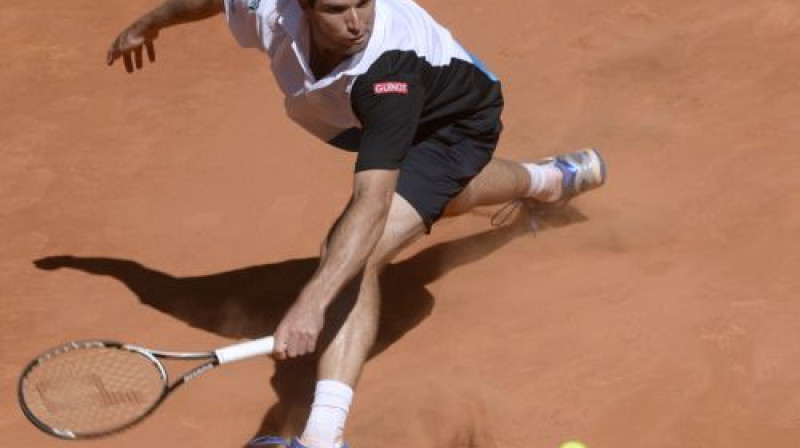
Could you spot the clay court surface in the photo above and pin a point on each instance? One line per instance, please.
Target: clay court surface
(177, 208)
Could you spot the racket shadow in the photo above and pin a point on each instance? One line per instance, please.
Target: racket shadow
(249, 302)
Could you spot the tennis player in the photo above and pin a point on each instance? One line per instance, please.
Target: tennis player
(383, 79)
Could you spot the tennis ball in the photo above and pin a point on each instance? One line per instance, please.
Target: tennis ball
(573, 444)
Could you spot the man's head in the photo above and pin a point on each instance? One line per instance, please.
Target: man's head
(342, 27)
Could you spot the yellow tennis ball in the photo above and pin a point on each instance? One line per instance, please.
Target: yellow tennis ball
(573, 444)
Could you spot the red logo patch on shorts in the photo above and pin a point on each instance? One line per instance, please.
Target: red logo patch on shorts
(382, 88)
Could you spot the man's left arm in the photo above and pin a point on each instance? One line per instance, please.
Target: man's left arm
(349, 245)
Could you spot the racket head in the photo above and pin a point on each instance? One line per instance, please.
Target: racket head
(88, 389)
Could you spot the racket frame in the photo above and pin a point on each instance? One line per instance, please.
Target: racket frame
(151, 355)
(224, 355)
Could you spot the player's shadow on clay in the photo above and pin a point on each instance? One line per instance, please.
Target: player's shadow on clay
(249, 302)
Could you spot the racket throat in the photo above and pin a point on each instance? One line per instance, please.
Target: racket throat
(194, 373)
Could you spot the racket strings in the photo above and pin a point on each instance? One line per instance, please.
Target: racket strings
(92, 390)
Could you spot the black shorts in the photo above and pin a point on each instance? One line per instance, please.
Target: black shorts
(438, 168)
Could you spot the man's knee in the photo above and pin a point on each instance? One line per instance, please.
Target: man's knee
(459, 204)
(375, 265)
(381, 257)
(403, 226)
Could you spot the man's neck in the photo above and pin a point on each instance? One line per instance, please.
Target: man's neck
(322, 62)
(322, 66)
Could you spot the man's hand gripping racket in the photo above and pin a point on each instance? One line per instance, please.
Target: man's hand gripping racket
(87, 389)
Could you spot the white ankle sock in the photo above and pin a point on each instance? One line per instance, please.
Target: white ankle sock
(545, 181)
(328, 414)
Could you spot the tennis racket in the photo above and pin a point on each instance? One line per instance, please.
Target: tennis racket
(88, 389)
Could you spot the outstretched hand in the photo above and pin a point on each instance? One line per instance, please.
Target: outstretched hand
(128, 45)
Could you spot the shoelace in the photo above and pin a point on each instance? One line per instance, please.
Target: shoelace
(503, 216)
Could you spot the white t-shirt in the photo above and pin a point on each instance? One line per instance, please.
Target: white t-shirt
(411, 74)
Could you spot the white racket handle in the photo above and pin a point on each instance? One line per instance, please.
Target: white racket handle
(244, 350)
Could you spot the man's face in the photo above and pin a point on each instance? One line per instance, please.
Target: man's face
(341, 26)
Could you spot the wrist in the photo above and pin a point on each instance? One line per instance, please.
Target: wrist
(146, 25)
(312, 297)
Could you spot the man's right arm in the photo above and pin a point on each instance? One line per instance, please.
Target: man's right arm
(174, 12)
(128, 44)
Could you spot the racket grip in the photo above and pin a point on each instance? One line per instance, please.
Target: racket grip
(244, 350)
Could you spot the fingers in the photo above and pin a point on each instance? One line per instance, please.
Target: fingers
(137, 53)
(113, 52)
(297, 333)
(129, 48)
(111, 55)
(151, 51)
(126, 58)
(133, 58)
(293, 345)
(279, 351)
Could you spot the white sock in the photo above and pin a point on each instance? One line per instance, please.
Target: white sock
(329, 411)
(545, 181)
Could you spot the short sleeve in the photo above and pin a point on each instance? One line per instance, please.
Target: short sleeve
(247, 24)
(389, 108)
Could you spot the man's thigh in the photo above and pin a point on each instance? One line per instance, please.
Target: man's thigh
(437, 169)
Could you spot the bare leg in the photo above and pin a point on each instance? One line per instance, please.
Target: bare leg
(500, 181)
